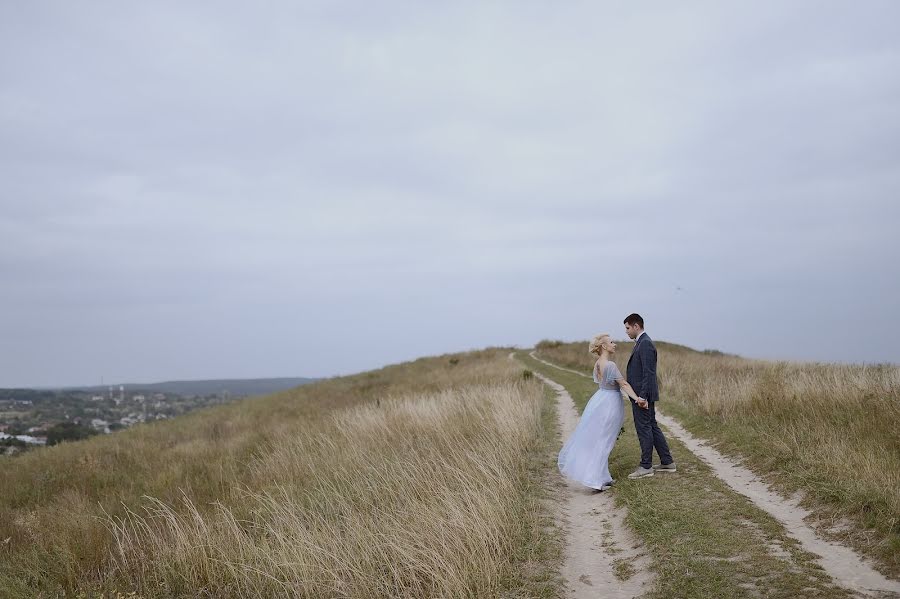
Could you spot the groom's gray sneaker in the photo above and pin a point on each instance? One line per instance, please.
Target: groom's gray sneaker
(641, 473)
(665, 467)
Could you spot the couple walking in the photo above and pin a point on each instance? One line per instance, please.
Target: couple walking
(585, 455)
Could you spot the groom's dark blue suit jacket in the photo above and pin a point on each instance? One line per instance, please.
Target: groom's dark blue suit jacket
(641, 371)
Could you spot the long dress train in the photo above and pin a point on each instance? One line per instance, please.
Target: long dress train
(585, 455)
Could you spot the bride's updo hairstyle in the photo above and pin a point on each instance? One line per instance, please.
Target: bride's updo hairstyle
(598, 342)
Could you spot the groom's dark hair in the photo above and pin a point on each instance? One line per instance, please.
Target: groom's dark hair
(634, 319)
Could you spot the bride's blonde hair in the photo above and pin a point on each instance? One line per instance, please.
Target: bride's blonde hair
(597, 343)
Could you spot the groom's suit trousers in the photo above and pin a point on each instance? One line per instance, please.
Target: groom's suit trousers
(649, 435)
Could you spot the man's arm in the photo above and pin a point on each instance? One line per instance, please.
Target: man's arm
(636, 383)
(648, 364)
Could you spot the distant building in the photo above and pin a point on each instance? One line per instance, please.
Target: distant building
(129, 420)
(25, 438)
(33, 440)
(100, 425)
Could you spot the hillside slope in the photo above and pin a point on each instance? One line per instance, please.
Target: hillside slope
(419, 478)
(828, 431)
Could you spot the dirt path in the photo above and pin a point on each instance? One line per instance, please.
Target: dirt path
(601, 557)
(842, 563)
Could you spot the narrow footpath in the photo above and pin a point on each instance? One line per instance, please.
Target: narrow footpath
(601, 556)
(846, 567)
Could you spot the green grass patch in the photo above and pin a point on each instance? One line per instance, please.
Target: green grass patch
(539, 549)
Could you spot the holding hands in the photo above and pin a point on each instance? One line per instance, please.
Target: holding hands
(642, 403)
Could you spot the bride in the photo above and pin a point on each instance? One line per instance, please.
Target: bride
(585, 455)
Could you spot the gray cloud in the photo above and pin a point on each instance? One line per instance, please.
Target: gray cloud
(211, 191)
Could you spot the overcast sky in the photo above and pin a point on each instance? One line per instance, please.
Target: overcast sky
(236, 190)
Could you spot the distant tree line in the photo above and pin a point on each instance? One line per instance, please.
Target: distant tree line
(68, 431)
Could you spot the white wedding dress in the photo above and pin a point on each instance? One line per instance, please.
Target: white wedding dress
(585, 455)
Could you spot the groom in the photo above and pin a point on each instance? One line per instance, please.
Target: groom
(641, 375)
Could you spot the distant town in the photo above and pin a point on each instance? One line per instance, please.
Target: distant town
(32, 418)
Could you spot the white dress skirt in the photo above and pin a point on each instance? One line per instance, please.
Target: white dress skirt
(584, 457)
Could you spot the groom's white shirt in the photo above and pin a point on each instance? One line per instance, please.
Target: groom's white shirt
(638, 338)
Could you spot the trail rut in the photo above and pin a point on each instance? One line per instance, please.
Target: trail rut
(597, 542)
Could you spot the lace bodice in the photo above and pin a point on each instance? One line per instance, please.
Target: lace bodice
(608, 377)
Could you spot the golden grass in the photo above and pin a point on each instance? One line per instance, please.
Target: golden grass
(828, 430)
(409, 481)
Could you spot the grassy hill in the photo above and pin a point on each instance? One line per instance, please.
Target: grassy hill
(430, 478)
(829, 431)
(419, 479)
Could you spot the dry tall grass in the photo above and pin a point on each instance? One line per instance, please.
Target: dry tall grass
(409, 481)
(829, 430)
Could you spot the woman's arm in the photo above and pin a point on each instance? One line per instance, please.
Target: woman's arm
(624, 386)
